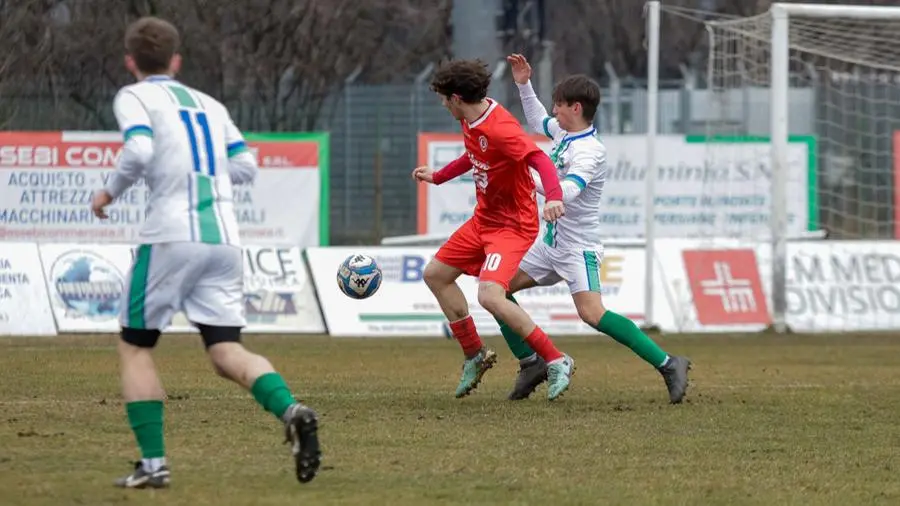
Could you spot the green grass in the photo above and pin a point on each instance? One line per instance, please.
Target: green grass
(768, 421)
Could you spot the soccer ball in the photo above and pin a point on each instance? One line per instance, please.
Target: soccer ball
(359, 277)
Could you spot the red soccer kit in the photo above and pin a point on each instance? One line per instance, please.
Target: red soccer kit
(492, 243)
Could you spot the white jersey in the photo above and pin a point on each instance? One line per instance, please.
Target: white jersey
(580, 159)
(187, 149)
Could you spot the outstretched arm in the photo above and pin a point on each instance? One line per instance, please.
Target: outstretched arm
(535, 113)
(453, 169)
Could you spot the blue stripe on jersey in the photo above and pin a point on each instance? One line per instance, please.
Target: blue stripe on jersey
(195, 155)
(137, 130)
(236, 148)
(207, 143)
(590, 132)
(547, 127)
(575, 178)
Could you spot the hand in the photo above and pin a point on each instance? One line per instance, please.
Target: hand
(99, 202)
(423, 173)
(554, 210)
(521, 70)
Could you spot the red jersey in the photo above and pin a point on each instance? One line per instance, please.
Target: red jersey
(497, 147)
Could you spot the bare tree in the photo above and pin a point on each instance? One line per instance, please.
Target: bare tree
(275, 62)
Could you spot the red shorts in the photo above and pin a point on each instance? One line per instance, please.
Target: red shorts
(490, 255)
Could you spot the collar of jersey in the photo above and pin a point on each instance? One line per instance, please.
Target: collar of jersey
(159, 77)
(578, 135)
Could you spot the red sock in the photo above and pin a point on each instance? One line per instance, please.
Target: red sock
(542, 345)
(464, 331)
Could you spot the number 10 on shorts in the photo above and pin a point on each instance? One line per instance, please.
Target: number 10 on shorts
(492, 262)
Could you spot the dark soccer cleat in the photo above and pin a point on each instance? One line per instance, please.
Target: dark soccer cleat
(301, 430)
(676, 375)
(142, 478)
(530, 376)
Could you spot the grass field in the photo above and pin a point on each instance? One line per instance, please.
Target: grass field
(768, 421)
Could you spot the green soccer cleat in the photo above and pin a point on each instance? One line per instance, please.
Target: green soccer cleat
(473, 369)
(559, 374)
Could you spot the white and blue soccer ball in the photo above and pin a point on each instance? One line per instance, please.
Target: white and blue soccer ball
(359, 277)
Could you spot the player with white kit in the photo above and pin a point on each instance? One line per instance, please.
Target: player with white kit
(186, 148)
(571, 248)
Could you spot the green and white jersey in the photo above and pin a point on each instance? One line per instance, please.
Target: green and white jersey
(580, 159)
(187, 149)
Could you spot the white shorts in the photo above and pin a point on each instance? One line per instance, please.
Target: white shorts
(580, 268)
(205, 281)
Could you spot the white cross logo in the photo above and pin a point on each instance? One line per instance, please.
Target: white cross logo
(736, 294)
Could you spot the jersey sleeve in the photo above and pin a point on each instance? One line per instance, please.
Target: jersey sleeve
(536, 114)
(242, 166)
(132, 116)
(137, 150)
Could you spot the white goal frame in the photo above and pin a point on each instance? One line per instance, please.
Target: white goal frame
(778, 104)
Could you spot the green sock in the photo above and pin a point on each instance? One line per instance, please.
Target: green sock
(146, 419)
(516, 344)
(272, 393)
(626, 332)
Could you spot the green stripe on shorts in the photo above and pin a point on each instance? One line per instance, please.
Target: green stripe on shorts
(592, 265)
(137, 292)
(206, 211)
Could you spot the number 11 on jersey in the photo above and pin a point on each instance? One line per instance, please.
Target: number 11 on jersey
(186, 117)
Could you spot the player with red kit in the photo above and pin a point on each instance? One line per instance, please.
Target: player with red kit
(505, 224)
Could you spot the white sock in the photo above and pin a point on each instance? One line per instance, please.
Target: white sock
(666, 361)
(153, 465)
(557, 361)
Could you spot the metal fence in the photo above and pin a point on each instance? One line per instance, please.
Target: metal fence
(374, 141)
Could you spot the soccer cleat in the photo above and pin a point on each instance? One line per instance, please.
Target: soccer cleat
(559, 374)
(141, 478)
(301, 430)
(473, 369)
(675, 373)
(530, 376)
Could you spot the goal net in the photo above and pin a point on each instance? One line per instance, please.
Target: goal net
(827, 80)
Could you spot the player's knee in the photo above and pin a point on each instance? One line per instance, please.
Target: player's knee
(491, 296)
(590, 308)
(434, 275)
(225, 358)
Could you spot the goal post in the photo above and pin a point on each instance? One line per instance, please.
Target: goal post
(825, 72)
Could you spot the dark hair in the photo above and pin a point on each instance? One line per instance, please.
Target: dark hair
(578, 88)
(152, 42)
(467, 78)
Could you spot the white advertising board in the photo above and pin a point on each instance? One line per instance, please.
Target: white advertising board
(404, 306)
(24, 305)
(47, 178)
(278, 293)
(86, 283)
(725, 285)
(703, 188)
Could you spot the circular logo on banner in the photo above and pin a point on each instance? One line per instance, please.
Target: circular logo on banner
(87, 285)
(482, 142)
